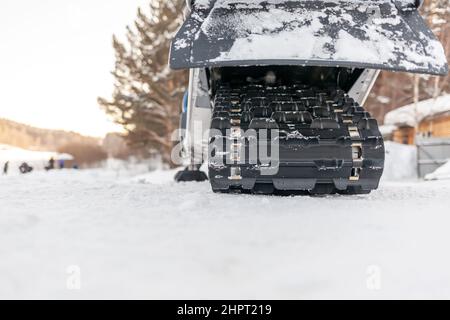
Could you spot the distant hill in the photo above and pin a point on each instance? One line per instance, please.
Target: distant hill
(32, 138)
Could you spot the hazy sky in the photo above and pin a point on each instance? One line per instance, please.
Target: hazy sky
(55, 59)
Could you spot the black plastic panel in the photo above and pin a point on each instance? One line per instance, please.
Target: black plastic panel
(375, 34)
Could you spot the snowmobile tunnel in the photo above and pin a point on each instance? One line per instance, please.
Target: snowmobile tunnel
(374, 34)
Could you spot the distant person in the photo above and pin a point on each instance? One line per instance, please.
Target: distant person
(25, 168)
(51, 164)
(61, 163)
(75, 166)
(6, 167)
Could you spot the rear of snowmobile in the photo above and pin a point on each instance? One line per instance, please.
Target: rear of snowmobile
(279, 87)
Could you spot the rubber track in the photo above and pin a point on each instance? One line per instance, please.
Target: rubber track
(328, 143)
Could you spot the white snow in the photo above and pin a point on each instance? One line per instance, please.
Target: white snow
(440, 173)
(148, 238)
(410, 115)
(383, 99)
(202, 3)
(401, 162)
(353, 49)
(18, 154)
(387, 130)
(256, 30)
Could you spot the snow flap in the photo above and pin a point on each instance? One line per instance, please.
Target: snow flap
(378, 34)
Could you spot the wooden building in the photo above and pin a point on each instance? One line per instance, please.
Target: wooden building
(437, 125)
(428, 119)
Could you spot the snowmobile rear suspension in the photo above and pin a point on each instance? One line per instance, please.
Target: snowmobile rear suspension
(316, 141)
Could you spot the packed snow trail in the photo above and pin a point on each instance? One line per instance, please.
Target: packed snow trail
(147, 237)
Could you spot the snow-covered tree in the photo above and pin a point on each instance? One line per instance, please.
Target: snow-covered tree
(147, 94)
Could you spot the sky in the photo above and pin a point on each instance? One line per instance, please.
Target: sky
(55, 60)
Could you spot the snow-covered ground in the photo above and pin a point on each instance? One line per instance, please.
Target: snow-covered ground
(401, 161)
(119, 236)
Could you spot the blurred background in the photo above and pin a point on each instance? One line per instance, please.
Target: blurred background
(85, 82)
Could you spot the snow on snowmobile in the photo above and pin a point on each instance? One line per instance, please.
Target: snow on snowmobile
(295, 74)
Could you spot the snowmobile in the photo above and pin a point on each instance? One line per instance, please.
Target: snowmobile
(295, 74)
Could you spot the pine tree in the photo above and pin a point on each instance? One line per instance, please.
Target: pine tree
(147, 94)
